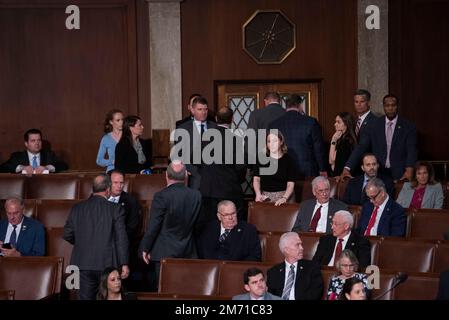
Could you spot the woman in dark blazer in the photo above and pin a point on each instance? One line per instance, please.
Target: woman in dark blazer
(342, 143)
(131, 153)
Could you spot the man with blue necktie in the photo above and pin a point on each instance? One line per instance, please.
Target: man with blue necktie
(33, 160)
(25, 236)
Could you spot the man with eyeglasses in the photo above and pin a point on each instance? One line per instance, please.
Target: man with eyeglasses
(315, 215)
(331, 246)
(381, 216)
(229, 239)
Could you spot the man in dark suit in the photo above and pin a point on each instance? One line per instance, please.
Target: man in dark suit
(355, 190)
(363, 113)
(315, 215)
(25, 236)
(189, 108)
(261, 118)
(96, 228)
(191, 134)
(303, 138)
(33, 160)
(342, 238)
(382, 216)
(229, 239)
(304, 280)
(173, 214)
(443, 288)
(392, 140)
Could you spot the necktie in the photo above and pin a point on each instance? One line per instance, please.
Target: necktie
(202, 129)
(34, 164)
(289, 284)
(315, 219)
(389, 137)
(372, 220)
(338, 250)
(357, 127)
(224, 235)
(13, 237)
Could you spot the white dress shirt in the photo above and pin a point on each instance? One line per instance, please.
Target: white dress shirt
(10, 229)
(343, 245)
(379, 215)
(322, 223)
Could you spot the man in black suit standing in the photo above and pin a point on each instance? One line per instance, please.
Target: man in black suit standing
(304, 280)
(229, 239)
(363, 113)
(173, 214)
(342, 238)
(33, 160)
(96, 228)
(355, 190)
(189, 108)
(261, 118)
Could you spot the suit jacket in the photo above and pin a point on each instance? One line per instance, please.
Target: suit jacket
(370, 117)
(96, 228)
(306, 212)
(433, 196)
(304, 140)
(192, 165)
(246, 296)
(403, 151)
(443, 289)
(393, 221)
(242, 243)
(355, 195)
(359, 245)
(21, 158)
(132, 214)
(308, 283)
(172, 217)
(184, 120)
(261, 118)
(126, 158)
(31, 240)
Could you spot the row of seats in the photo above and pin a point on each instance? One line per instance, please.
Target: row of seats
(73, 186)
(212, 278)
(421, 223)
(388, 253)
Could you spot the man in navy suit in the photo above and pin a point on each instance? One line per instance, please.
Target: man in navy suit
(355, 190)
(364, 115)
(382, 216)
(33, 160)
(303, 138)
(392, 140)
(25, 236)
(229, 239)
(295, 278)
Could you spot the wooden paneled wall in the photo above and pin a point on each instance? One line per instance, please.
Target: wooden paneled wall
(64, 81)
(326, 48)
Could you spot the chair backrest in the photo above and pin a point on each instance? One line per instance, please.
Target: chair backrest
(441, 261)
(327, 273)
(12, 185)
(85, 185)
(310, 242)
(422, 286)
(428, 225)
(341, 188)
(7, 294)
(266, 217)
(397, 188)
(57, 246)
(58, 187)
(32, 278)
(356, 212)
(386, 280)
(189, 276)
(145, 186)
(408, 256)
(375, 242)
(230, 281)
(54, 213)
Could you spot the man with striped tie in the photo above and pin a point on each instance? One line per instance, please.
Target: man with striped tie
(295, 278)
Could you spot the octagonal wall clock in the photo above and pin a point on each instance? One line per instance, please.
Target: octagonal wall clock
(269, 37)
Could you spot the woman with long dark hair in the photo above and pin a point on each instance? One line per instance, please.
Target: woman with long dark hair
(342, 143)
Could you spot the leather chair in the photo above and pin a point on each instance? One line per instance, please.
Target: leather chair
(57, 246)
(12, 185)
(56, 187)
(175, 296)
(386, 280)
(230, 281)
(327, 273)
(266, 217)
(189, 276)
(310, 242)
(375, 243)
(85, 185)
(145, 186)
(31, 278)
(397, 188)
(341, 188)
(7, 294)
(441, 262)
(422, 286)
(146, 209)
(356, 212)
(54, 213)
(428, 225)
(408, 256)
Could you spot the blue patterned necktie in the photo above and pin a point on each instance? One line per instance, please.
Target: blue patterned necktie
(34, 164)
(13, 237)
(289, 284)
(224, 235)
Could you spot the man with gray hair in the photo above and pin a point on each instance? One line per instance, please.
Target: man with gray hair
(342, 238)
(173, 215)
(295, 278)
(381, 216)
(315, 215)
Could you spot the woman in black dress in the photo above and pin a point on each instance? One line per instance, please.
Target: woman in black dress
(342, 143)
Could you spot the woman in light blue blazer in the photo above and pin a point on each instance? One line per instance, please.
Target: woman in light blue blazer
(423, 191)
(113, 124)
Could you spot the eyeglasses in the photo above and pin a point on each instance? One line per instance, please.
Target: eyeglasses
(373, 198)
(228, 215)
(323, 191)
(350, 266)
